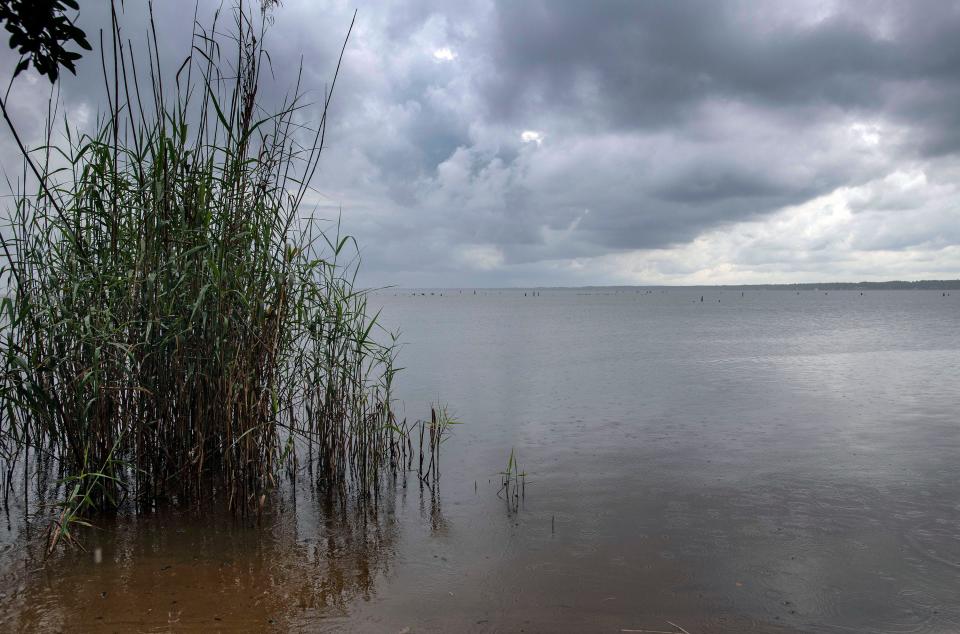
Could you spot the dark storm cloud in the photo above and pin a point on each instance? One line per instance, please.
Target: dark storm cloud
(652, 63)
(648, 67)
(508, 142)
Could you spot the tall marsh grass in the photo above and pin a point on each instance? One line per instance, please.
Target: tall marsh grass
(175, 326)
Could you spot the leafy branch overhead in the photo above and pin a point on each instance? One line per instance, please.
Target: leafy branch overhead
(40, 31)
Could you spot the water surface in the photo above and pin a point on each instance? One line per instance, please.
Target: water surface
(771, 461)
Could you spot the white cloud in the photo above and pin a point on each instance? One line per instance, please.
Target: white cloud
(444, 54)
(531, 136)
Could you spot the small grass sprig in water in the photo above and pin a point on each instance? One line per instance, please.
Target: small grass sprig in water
(513, 483)
(81, 488)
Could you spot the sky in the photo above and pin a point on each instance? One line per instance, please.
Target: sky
(557, 143)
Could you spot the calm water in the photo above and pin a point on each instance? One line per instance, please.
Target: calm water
(765, 462)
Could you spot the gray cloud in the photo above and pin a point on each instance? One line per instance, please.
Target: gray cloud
(651, 64)
(664, 141)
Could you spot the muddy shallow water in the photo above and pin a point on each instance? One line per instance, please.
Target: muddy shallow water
(771, 462)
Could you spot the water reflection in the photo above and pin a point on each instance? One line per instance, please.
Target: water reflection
(431, 510)
(305, 563)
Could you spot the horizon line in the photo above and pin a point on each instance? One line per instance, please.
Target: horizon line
(903, 284)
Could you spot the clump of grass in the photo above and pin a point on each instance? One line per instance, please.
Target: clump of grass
(173, 321)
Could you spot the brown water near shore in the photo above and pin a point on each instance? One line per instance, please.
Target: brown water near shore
(202, 572)
(771, 463)
(192, 572)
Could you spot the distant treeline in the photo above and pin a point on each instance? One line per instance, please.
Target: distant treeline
(933, 285)
(894, 285)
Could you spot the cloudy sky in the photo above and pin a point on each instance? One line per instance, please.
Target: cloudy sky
(571, 143)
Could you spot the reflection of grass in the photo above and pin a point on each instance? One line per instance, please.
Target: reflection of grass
(171, 318)
(211, 571)
(513, 483)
